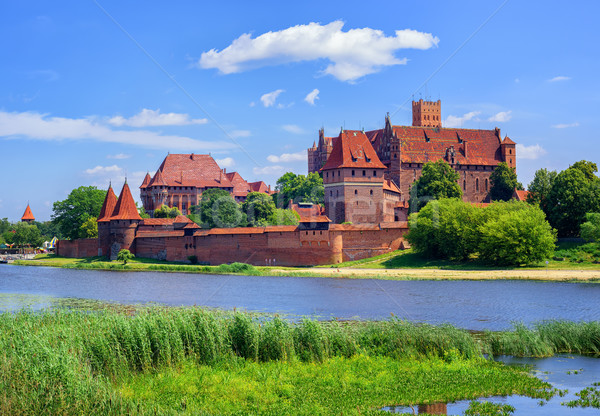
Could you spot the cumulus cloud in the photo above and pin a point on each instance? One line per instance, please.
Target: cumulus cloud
(312, 96)
(559, 78)
(269, 98)
(268, 170)
(501, 117)
(36, 126)
(292, 128)
(240, 133)
(352, 54)
(226, 162)
(530, 152)
(119, 156)
(102, 170)
(565, 126)
(457, 121)
(151, 118)
(288, 157)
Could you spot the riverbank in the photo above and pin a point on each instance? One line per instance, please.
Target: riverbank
(392, 266)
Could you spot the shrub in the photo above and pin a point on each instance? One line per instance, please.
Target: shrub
(124, 256)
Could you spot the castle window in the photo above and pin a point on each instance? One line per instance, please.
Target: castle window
(477, 184)
(510, 151)
(395, 156)
(375, 173)
(371, 192)
(352, 172)
(364, 173)
(330, 193)
(464, 185)
(355, 191)
(486, 185)
(338, 173)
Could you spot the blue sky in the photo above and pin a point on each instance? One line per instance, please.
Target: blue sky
(97, 90)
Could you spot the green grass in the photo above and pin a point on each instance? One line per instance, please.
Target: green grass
(194, 361)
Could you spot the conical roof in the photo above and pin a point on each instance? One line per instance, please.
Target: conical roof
(146, 182)
(108, 206)
(28, 215)
(125, 208)
(158, 179)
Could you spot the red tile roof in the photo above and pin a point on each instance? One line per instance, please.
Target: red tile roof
(352, 149)
(259, 186)
(27, 215)
(520, 195)
(307, 210)
(199, 171)
(315, 218)
(238, 230)
(108, 206)
(280, 228)
(147, 180)
(507, 141)
(390, 186)
(157, 221)
(125, 208)
(158, 179)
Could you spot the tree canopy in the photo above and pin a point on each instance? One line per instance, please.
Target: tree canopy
(166, 212)
(590, 229)
(26, 235)
(540, 187)
(503, 181)
(89, 228)
(217, 209)
(300, 188)
(259, 208)
(81, 204)
(438, 180)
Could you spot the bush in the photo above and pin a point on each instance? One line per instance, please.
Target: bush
(124, 256)
(193, 259)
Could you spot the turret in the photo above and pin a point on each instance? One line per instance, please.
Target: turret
(104, 222)
(123, 223)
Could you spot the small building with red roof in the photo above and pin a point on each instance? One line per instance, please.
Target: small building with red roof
(27, 215)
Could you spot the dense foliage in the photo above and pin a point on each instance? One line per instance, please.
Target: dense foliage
(259, 208)
(125, 255)
(166, 212)
(438, 180)
(299, 188)
(503, 233)
(590, 229)
(81, 204)
(503, 181)
(89, 228)
(26, 235)
(540, 187)
(218, 209)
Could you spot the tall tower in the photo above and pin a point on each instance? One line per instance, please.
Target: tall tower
(427, 113)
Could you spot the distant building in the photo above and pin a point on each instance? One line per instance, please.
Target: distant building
(182, 178)
(402, 150)
(27, 215)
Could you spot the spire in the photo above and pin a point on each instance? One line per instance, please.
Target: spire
(146, 181)
(27, 215)
(125, 208)
(108, 206)
(158, 180)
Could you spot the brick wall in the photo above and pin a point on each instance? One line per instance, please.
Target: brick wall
(85, 247)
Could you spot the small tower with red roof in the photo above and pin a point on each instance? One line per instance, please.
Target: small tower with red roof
(509, 152)
(27, 215)
(124, 221)
(104, 222)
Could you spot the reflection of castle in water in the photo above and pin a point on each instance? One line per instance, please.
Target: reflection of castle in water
(433, 409)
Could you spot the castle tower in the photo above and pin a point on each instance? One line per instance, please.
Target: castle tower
(509, 152)
(427, 113)
(353, 180)
(27, 215)
(104, 222)
(123, 223)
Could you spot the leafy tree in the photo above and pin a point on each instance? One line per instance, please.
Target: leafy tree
(218, 209)
(8, 237)
(142, 211)
(26, 235)
(587, 168)
(540, 187)
(82, 203)
(284, 217)
(89, 228)
(124, 256)
(572, 196)
(166, 212)
(503, 181)
(259, 208)
(48, 229)
(438, 180)
(590, 229)
(5, 225)
(300, 188)
(517, 237)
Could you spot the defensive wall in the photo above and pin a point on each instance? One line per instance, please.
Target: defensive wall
(275, 245)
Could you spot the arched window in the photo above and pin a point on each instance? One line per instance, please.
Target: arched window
(477, 184)
(464, 185)
(371, 192)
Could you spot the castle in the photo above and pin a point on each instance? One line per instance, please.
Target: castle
(181, 179)
(378, 167)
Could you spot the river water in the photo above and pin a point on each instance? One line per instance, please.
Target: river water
(476, 305)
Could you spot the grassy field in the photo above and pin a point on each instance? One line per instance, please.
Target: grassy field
(196, 361)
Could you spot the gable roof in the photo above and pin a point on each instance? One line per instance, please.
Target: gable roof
(352, 149)
(108, 206)
(125, 208)
(520, 195)
(507, 140)
(240, 186)
(27, 215)
(199, 171)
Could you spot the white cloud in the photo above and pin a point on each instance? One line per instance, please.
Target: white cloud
(559, 78)
(501, 117)
(292, 128)
(119, 156)
(148, 118)
(38, 126)
(352, 54)
(240, 133)
(288, 157)
(269, 170)
(457, 121)
(312, 96)
(530, 152)
(269, 98)
(565, 126)
(103, 170)
(252, 104)
(226, 162)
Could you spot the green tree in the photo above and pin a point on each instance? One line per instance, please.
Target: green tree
(124, 256)
(142, 211)
(590, 229)
(589, 169)
(438, 180)
(259, 208)
(82, 203)
(503, 181)
(166, 212)
(284, 217)
(5, 225)
(89, 228)
(48, 229)
(517, 237)
(218, 209)
(300, 188)
(572, 196)
(26, 235)
(540, 187)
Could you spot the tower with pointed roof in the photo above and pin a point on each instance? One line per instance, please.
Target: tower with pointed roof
(123, 223)
(108, 207)
(27, 215)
